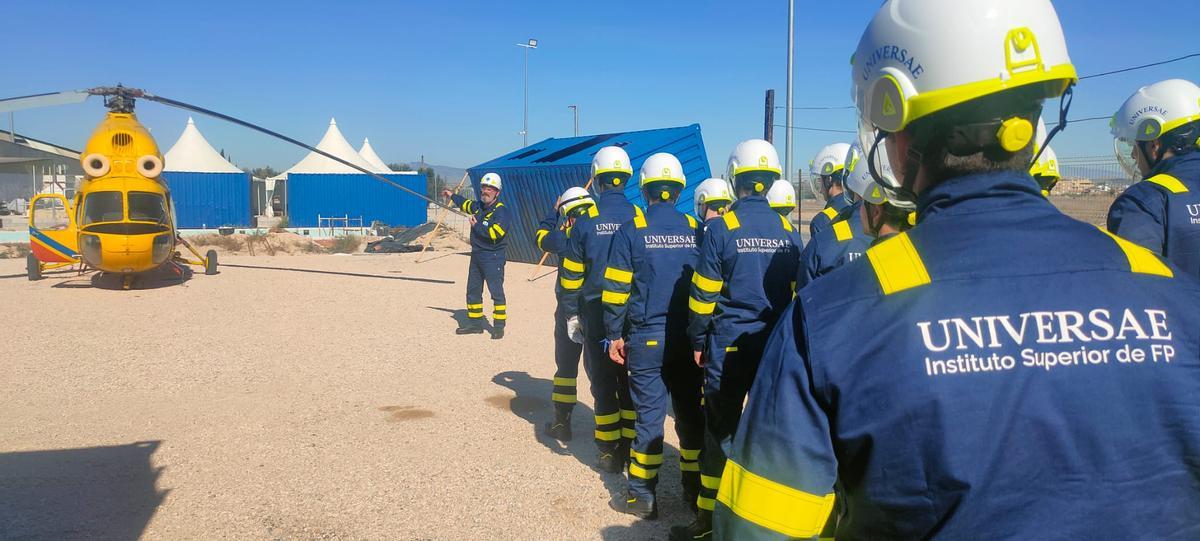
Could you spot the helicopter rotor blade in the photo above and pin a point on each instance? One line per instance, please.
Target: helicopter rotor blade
(196, 109)
(48, 99)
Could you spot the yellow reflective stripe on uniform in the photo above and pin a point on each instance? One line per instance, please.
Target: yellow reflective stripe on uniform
(642, 473)
(730, 349)
(897, 264)
(1169, 182)
(475, 315)
(474, 306)
(563, 398)
(467, 205)
(841, 230)
(787, 225)
(639, 221)
(691, 221)
(608, 419)
(608, 435)
(706, 284)
(564, 381)
(499, 316)
(613, 297)
(700, 307)
(772, 505)
(618, 275)
(646, 459)
(651, 343)
(1141, 260)
(541, 234)
(498, 229)
(500, 307)
(629, 414)
(572, 265)
(593, 212)
(570, 284)
(628, 433)
(829, 212)
(707, 504)
(689, 454)
(689, 466)
(708, 481)
(731, 221)
(492, 233)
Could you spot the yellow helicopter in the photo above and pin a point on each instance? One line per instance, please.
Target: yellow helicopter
(122, 219)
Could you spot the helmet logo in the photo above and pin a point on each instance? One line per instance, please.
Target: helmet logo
(889, 108)
(827, 169)
(617, 163)
(762, 161)
(1021, 50)
(666, 171)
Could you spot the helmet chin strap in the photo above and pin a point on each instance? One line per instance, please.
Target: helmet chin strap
(1064, 106)
(903, 192)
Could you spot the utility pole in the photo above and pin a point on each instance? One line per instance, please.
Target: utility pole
(788, 132)
(575, 108)
(769, 117)
(531, 44)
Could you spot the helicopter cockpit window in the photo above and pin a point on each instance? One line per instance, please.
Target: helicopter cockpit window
(147, 207)
(49, 214)
(102, 207)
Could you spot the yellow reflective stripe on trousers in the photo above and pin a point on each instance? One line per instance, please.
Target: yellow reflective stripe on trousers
(689, 454)
(642, 473)
(710, 482)
(618, 275)
(566, 382)
(706, 284)
(1169, 182)
(772, 505)
(829, 212)
(646, 459)
(499, 316)
(612, 297)
(689, 466)
(570, 284)
(897, 265)
(1141, 260)
(563, 398)
(842, 231)
(628, 433)
(608, 419)
(572, 265)
(702, 308)
(731, 220)
(629, 415)
(707, 504)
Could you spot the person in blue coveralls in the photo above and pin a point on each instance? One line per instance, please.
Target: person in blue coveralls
(552, 237)
(744, 279)
(1157, 134)
(582, 281)
(844, 240)
(645, 313)
(490, 221)
(826, 174)
(999, 371)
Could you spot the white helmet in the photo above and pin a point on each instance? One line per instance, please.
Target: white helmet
(920, 57)
(860, 180)
(830, 160)
(663, 170)
(754, 156)
(713, 190)
(574, 198)
(1154, 111)
(1046, 171)
(491, 179)
(782, 196)
(611, 160)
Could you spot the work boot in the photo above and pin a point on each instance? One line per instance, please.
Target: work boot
(611, 461)
(560, 427)
(498, 332)
(699, 530)
(643, 508)
(473, 326)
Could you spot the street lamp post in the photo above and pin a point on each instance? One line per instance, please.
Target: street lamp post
(787, 135)
(575, 108)
(531, 44)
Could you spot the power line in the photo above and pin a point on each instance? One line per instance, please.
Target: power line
(1123, 70)
(1078, 120)
(804, 128)
(814, 108)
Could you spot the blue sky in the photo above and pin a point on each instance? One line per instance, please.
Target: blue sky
(443, 79)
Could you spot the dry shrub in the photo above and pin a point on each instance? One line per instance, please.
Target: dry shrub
(345, 244)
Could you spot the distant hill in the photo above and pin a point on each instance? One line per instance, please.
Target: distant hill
(451, 174)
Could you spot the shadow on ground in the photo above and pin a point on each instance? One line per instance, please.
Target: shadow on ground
(339, 273)
(89, 493)
(460, 317)
(165, 276)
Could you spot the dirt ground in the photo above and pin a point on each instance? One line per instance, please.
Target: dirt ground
(293, 397)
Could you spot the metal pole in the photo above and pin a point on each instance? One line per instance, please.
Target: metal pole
(525, 129)
(575, 108)
(787, 161)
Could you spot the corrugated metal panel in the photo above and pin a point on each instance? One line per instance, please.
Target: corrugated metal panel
(356, 196)
(536, 175)
(209, 199)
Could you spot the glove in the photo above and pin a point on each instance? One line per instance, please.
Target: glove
(574, 331)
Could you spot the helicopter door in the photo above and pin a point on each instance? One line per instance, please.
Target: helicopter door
(53, 237)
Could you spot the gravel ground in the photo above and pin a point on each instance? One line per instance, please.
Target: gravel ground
(293, 397)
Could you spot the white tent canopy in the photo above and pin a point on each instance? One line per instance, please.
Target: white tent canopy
(368, 153)
(333, 143)
(192, 153)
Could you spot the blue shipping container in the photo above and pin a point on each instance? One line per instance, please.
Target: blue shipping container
(358, 196)
(209, 200)
(536, 175)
